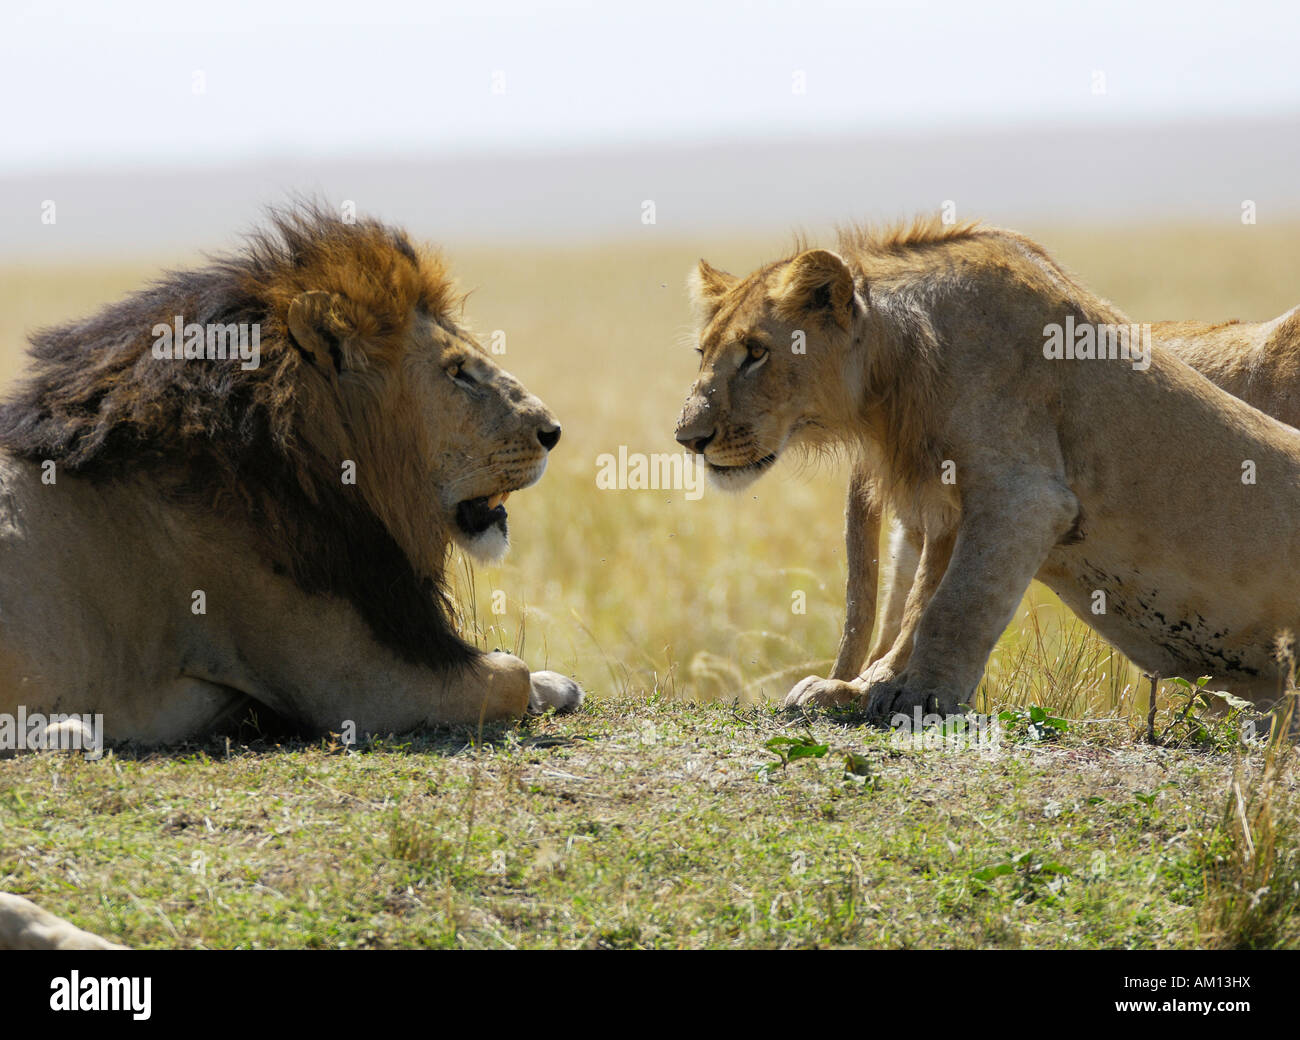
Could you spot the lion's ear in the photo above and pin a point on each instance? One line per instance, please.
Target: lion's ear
(318, 328)
(817, 282)
(707, 286)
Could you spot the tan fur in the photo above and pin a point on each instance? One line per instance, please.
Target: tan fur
(25, 926)
(1089, 475)
(1258, 362)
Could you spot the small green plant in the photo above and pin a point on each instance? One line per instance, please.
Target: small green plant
(1033, 722)
(1036, 878)
(791, 749)
(1201, 722)
(859, 772)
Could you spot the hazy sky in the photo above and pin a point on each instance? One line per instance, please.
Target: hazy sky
(148, 83)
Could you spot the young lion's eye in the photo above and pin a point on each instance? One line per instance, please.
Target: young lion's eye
(755, 355)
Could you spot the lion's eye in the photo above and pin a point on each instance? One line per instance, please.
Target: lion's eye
(461, 377)
(755, 354)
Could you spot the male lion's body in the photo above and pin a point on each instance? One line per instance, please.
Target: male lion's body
(181, 537)
(1174, 501)
(1258, 362)
(111, 629)
(184, 537)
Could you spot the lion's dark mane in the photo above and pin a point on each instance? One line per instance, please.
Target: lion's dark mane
(227, 441)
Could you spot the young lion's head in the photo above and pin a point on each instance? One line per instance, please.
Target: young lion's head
(776, 364)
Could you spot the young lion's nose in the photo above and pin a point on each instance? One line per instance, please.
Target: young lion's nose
(689, 440)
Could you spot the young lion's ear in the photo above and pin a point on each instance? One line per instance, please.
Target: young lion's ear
(817, 282)
(318, 328)
(707, 286)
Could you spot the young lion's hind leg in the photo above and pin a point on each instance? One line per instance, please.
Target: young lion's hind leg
(862, 514)
(902, 567)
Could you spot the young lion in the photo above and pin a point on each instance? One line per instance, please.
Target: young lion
(1130, 483)
(1258, 362)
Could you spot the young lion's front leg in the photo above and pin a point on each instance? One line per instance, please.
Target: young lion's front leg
(923, 579)
(1002, 540)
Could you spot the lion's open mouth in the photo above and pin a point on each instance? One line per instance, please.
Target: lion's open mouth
(746, 468)
(736, 478)
(476, 515)
(479, 523)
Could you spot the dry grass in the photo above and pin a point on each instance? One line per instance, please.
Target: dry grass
(643, 589)
(1251, 859)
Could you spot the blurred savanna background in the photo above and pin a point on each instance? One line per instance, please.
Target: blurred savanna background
(573, 187)
(574, 160)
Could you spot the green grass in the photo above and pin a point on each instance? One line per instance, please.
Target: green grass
(643, 822)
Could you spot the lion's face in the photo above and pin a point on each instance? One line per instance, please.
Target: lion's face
(772, 350)
(441, 436)
(484, 435)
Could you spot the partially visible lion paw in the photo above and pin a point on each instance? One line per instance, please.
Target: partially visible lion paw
(814, 691)
(899, 697)
(553, 690)
(25, 926)
(877, 672)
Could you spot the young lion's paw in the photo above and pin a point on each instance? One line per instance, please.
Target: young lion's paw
(900, 697)
(553, 690)
(877, 672)
(816, 692)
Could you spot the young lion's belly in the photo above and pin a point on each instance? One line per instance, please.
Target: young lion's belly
(1170, 623)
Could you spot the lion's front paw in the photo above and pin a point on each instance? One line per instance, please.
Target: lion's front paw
(815, 691)
(900, 697)
(879, 671)
(553, 690)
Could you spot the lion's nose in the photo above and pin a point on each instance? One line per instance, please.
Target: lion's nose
(549, 436)
(693, 443)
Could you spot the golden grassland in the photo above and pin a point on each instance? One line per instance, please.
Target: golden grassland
(649, 821)
(644, 590)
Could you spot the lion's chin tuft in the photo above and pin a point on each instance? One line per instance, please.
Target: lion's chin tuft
(481, 527)
(488, 545)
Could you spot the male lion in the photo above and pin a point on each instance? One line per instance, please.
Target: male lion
(182, 536)
(1141, 487)
(1258, 362)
